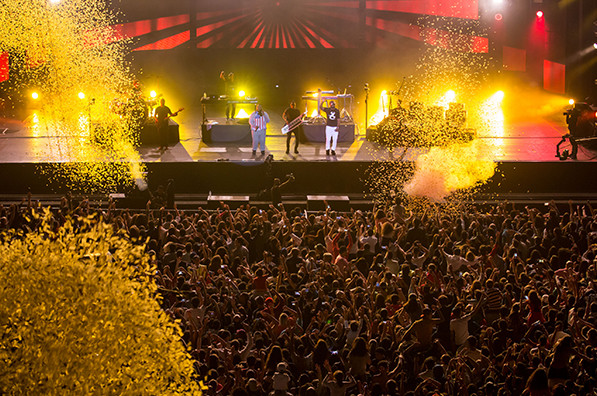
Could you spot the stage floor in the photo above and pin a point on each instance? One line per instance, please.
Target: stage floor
(529, 141)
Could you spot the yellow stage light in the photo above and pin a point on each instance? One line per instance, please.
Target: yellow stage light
(242, 114)
(450, 96)
(384, 92)
(315, 113)
(446, 99)
(81, 95)
(241, 93)
(35, 96)
(498, 96)
(571, 102)
(153, 94)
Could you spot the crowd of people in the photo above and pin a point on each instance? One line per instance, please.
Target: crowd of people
(489, 301)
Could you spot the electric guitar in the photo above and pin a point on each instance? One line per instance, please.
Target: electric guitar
(170, 116)
(176, 112)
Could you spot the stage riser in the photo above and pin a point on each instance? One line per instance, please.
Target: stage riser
(316, 133)
(222, 133)
(149, 134)
(241, 134)
(340, 177)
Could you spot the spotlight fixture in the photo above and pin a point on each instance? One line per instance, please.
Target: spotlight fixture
(34, 96)
(81, 95)
(595, 45)
(498, 17)
(571, 102)
(241, 93)
(153, 94)
(539, 14)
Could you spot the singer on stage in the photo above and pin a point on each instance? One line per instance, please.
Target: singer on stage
(230, 92)
(258, 121)
(332, 127)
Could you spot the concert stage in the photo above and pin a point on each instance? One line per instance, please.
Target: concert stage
(524, 152)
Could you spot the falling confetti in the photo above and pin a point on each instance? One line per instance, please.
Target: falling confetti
(88, 104)
(442, 110)
(444, 170)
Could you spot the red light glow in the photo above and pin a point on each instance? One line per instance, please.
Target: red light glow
(4, 66)
(498, 17)
(539, 14)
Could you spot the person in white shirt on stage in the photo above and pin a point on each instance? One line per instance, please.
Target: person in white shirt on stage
(332, 127)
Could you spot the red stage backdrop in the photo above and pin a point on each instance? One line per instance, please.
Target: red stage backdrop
(296, 24)
(4, 73)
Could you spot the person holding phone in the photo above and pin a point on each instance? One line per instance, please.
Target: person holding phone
(535, 308)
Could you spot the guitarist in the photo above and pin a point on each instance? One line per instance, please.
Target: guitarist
(293, 116)
(162, 115)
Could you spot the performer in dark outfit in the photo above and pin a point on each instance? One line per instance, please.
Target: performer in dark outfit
(162, 115)
(332, 126)
(229, 91)
(291, 114)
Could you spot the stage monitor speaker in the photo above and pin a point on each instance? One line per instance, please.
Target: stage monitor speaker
(339, 203)
(233, 201)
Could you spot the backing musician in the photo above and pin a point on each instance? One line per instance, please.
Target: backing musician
(162, 115)
(293, 116)
(229, 91)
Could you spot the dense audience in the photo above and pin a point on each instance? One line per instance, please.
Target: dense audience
(499, 301)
